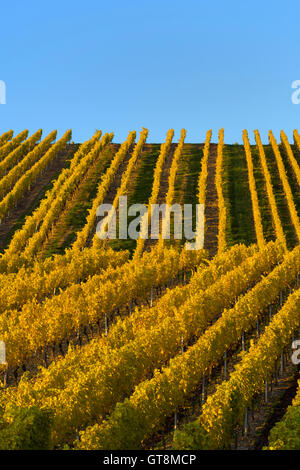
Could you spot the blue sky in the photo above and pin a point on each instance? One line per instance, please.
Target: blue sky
(120, 65)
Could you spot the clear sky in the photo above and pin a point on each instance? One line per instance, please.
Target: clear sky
(120, 65)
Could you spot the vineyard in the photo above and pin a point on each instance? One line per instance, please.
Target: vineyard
(144, 343)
